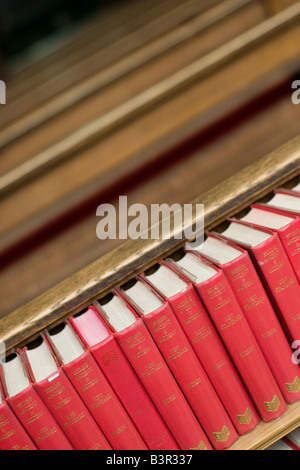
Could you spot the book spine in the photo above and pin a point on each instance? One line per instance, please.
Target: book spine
(291, 443)
(38, 421)
(201, 333)
(100, 399)
(264, 323)
(70, 412)
(290, 239)
(147, 361)
(281, 283)
(242, 346)
(121, 376)
(12, 434)
(191, 377)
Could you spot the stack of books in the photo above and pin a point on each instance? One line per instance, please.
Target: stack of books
(188, 356)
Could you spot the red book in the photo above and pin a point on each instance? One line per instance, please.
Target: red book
(151, 368)
(202, 335)
(286, 225)
(248, 289)
(183, 362)
(275, 270)
(287, 200)
(121, 376)
(95, 391)
(30, 409)
(12, 434)
(62, 400)
(293, 439)
(234, 330)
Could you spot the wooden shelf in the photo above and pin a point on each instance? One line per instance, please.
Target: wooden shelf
(267, 433)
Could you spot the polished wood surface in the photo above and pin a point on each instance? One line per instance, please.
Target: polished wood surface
(134, 256)
(163, 101)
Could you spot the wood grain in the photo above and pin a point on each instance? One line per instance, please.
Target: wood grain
(43, 195)
(119, 265)
(31, 266)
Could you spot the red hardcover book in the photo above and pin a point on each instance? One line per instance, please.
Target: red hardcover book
(151, 368)
(183, 362)
(201, 333)
(109, 356)
(12, 434)
(234, 330)
(275, 270)
(287, 200)
(95, 391)
(62, 400)
(30, 409)
(286, 225)
(93, 332)
(248, 289)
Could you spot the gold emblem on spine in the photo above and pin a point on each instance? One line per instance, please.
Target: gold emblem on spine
(200, 446)
(294, 386)
(245, 418)
(273, 405)
(223, 435)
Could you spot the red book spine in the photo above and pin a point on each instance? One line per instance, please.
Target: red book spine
(289, 236)
(132, 395)
(201, 333)
(12, 434)
(156, 377)
(281, 283)
(103, 404)
(291, 443)
(70, 412)
(264, 323)
(242, 346)
(41, 426)
(191, 377)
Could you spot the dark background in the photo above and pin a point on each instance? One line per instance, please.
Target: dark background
(23, 22)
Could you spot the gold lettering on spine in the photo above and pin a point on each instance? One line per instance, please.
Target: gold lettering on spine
(44, 433)
(186, 305)
(200, 446)
(73, 418)
(223, 435)
(294, 386)
(284, 283)
(169, 399)
(269, 333)
(201, 334)
(100, 400)
(247, 352)
(176, 353)
(194, 383)
(245, 418)
(272, 405)
(230, 320)
(253, 302)
(119, 430)
(151, 368)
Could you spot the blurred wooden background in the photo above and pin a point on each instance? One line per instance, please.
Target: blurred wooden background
(156, 100)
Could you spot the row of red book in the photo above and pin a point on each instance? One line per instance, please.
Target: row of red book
(190, 355)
